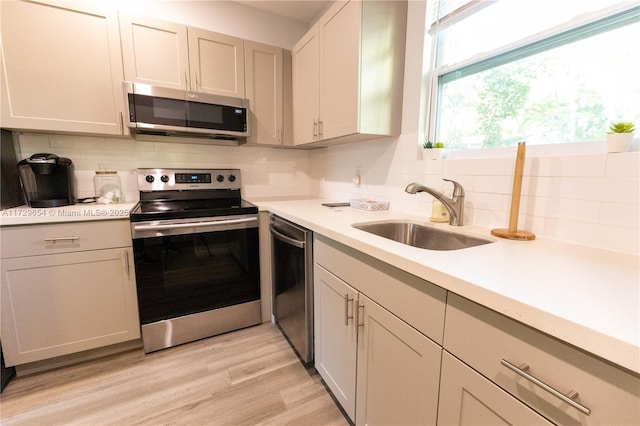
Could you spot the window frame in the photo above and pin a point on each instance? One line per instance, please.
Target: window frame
(578, 28)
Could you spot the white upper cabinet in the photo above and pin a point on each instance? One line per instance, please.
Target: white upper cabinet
(339, 70)
(61, 67)
(154, 51)
(216, 62)
(348, 72)
(306, 88)
(264, 89)
(173, 55)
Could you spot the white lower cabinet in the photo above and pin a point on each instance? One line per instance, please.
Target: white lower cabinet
(558, 381)
(381, 339)
(467, 398)
(335, 336)
(398, 370)
(380, 369)
(72, 300)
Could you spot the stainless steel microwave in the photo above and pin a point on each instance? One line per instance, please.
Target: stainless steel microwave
(160, 111)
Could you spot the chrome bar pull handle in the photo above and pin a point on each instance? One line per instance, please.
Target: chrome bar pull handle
(347, 317)
(569, 397)
(315, 127)
(60, 239)
(126, 260)
(360, 324)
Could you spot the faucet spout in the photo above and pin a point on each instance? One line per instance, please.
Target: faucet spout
(455, 204)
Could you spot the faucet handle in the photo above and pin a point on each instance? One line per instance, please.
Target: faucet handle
(458, 190)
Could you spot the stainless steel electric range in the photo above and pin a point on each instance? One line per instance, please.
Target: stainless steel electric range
(195, 243)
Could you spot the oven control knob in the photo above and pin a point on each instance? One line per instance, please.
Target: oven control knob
(232, 178)
(149, 178)
(220, 178)
(164, 178)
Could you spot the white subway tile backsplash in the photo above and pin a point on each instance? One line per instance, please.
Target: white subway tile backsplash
(569, 165)
(493, 184)
(593, 234)
(476, 167)
(564, 197)
(536, 186)
(579, 210)
(578, 188)
(266, 171)
(585, 199)
(624, 164)
(620, 215)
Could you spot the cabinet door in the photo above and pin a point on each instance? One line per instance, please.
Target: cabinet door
(398, 370)
(64, 303)
(339, 69)
(305, 62)
(264, 78)
(335, 337)
(217, 63)
(61, 68)
(467, 398)
(154, 52)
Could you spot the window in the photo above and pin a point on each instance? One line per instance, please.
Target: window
(541, 71)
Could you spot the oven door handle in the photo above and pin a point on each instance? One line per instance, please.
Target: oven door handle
(286, 239)
(160, 227)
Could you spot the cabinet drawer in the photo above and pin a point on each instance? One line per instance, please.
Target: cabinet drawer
(483, 339)
(34, 240)
(466, 397)
(414, 300)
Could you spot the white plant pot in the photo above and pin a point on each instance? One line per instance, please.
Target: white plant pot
(619, 142)
(432, 153)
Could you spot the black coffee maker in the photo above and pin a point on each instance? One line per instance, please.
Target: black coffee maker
(47, 180)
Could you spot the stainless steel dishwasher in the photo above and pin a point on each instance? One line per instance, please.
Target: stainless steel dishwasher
(292, 277)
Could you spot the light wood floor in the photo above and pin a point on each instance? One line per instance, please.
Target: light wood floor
(248, 377)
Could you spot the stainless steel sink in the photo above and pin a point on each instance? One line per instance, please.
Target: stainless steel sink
(422, 236)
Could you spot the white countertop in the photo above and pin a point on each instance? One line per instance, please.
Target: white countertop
(25, 215)
(585, 296)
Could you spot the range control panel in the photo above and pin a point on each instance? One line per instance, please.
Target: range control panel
(183, 179)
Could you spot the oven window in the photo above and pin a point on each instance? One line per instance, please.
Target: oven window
(185, 274)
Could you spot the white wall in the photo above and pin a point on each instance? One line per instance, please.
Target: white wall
(589, 199)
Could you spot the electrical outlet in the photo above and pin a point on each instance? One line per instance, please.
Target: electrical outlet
(295, 173)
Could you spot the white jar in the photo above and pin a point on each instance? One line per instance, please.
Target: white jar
(108, 187)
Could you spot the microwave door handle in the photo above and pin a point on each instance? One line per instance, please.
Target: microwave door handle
(161, 227)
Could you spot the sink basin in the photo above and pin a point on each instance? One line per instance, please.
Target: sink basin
(421, 236)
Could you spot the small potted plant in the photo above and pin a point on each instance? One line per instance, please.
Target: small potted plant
(434, 150)
(619, 136)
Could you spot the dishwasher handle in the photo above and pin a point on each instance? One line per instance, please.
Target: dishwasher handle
(286, 239)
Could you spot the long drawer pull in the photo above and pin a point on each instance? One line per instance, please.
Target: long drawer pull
(57, 239)
(522, 370)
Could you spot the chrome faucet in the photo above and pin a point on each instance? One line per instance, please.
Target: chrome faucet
(455, 204)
